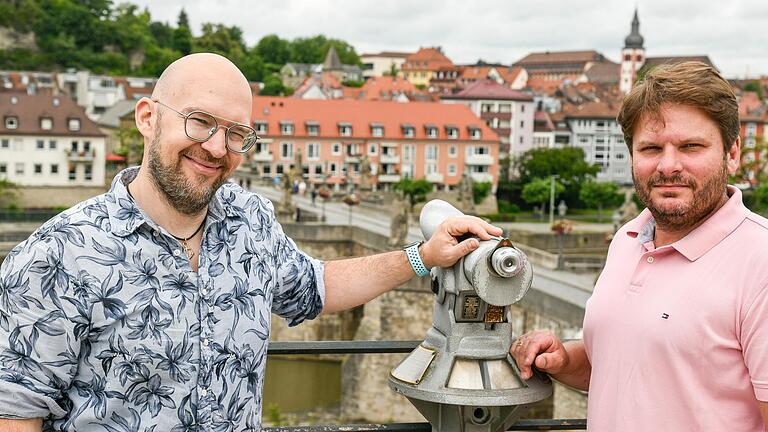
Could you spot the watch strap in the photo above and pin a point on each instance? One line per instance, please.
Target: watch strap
(412, 252)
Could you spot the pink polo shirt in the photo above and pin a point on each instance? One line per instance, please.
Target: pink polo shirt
(678, 336)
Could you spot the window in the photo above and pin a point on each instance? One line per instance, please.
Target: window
(431, 132)
(40, 144)
(474, 133)
(46, 123)
(286, 128)
(54, 168)
(3, 168)
(431, 168)
(87, 146)
(72, 173)
(372, 149)
(279, 168)
(505, 108)
(408, 153)
(751, 129)
(336, 149)
(409, 131)
(486, 108)
(345, 129)
(522, 108)
(583, 139)
(627, 57)
(313, 129)
(431, 152)
(332, 168)
(73, 124)
(89, 172)
(453, 133)
(52, 144)
(377, 131)
(407, 171)
(74, 146)
(521, 140)
(286, 150)
(313, 151)
(260, 127)
(11, 122)
(4, 143)
(318, 169)
(451, 169)
(38, 168)
(19, 168)
(619, 156)
(352, 150)
(600, 123)
(453, 151)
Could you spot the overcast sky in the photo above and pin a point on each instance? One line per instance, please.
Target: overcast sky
(733, 33)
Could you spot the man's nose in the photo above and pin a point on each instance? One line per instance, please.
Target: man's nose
(217, 143)
(669, 162)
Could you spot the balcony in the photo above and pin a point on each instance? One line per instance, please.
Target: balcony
(265, 156)
(388, 178)
(479, 159)
(498, 115)
(352, 158)
(80, 155)
(389, 159)
(368, 347)
(435, 178)
(482, 177)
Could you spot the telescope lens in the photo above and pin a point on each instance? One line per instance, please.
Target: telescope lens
(507, 261)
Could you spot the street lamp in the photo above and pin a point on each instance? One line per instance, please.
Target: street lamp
(552, 198)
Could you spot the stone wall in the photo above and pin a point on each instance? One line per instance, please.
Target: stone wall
(406, 314)
(52, 196)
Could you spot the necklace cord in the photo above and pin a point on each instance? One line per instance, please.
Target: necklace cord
(182, 239)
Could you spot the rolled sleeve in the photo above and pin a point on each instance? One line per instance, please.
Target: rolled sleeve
(38, 346)
(299, 292)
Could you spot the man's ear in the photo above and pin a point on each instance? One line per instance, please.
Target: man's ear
(145, 117)
(733, 157)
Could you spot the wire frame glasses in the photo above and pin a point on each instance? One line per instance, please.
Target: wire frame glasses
(200, 126)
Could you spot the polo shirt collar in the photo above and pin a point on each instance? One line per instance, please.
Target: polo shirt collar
(699, 241)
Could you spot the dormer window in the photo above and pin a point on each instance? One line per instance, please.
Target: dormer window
(286, 128)
(260, 127)
(73, 124)
(431, 131)
(409, 131)
(46, 123)
(452, 132)
(11, 122)
(345, 129)
(474, 132)
(377, 130)
(313, 128)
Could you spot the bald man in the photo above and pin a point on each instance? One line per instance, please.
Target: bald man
(147, 308)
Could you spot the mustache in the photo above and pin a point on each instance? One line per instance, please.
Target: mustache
(206, 157)
(658, 179)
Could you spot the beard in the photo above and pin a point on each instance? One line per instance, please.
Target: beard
(188, 196)
(707, 197)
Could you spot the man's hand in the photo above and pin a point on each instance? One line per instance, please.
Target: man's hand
(542, 349)
(443, 249)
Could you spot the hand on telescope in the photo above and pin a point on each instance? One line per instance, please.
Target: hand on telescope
(443, 249)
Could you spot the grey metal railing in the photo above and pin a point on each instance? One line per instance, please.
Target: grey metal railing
(390, 347)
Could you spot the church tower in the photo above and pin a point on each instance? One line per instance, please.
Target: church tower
(632, 57)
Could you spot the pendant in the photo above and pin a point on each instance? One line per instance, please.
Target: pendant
(187, 250)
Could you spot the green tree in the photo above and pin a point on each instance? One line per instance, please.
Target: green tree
(253, 66)
(8, 193)
(220, 39)
(754, 86)
(182, 35)
(415, 190)
(760, 197)
(273, 86)
(272, 49)
(567, 163)
(598, 194)
(538, 191)
(131, 145)
(480, 190)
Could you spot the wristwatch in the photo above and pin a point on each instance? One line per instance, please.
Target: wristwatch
(412, 252)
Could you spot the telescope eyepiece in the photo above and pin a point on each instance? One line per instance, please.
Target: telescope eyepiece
(507, 262)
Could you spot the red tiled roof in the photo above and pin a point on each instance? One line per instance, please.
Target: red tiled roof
(475, 72)
(542, 122)
(29, 109)
(133, 92)
(543, 85)
(388, 54)
(656, 61)
(426, 59)
(361, 114)
(749, 102)
(560, 57)
(489, 89)
(591, 110)
(509, 75)
(384, 88)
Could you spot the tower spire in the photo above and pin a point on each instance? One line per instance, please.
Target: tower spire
(634, 39)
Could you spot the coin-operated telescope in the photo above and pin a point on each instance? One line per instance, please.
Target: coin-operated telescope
(462, 378)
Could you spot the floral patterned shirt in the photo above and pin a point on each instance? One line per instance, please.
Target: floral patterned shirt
(105, 327)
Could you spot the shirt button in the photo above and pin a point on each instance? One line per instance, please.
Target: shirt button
(155, 233)
(176, 252)
(203, 391)
(205, 342)
(650, 260)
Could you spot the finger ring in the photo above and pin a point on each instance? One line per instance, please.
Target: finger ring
(519, 343)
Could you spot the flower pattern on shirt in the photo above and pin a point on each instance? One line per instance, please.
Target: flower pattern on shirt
(105, 327)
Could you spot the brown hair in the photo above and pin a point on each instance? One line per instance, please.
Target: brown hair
(694, 84)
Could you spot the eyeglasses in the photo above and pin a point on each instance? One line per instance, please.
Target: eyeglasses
(200, 126)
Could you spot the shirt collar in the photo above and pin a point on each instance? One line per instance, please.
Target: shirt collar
(125, 215)
(699, 241)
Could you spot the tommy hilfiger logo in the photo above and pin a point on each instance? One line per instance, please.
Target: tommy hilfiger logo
(665, 315)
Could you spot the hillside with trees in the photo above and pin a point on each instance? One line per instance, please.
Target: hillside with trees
(121, 39)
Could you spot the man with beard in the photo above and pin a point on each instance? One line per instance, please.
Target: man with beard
(148, 307)
(675, 336)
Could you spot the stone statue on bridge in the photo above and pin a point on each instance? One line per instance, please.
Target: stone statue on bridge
(398, 226)
(466, 195)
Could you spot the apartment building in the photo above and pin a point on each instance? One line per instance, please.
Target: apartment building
(417, 140)
(380, 64)
(507, 112)
(423, 65)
